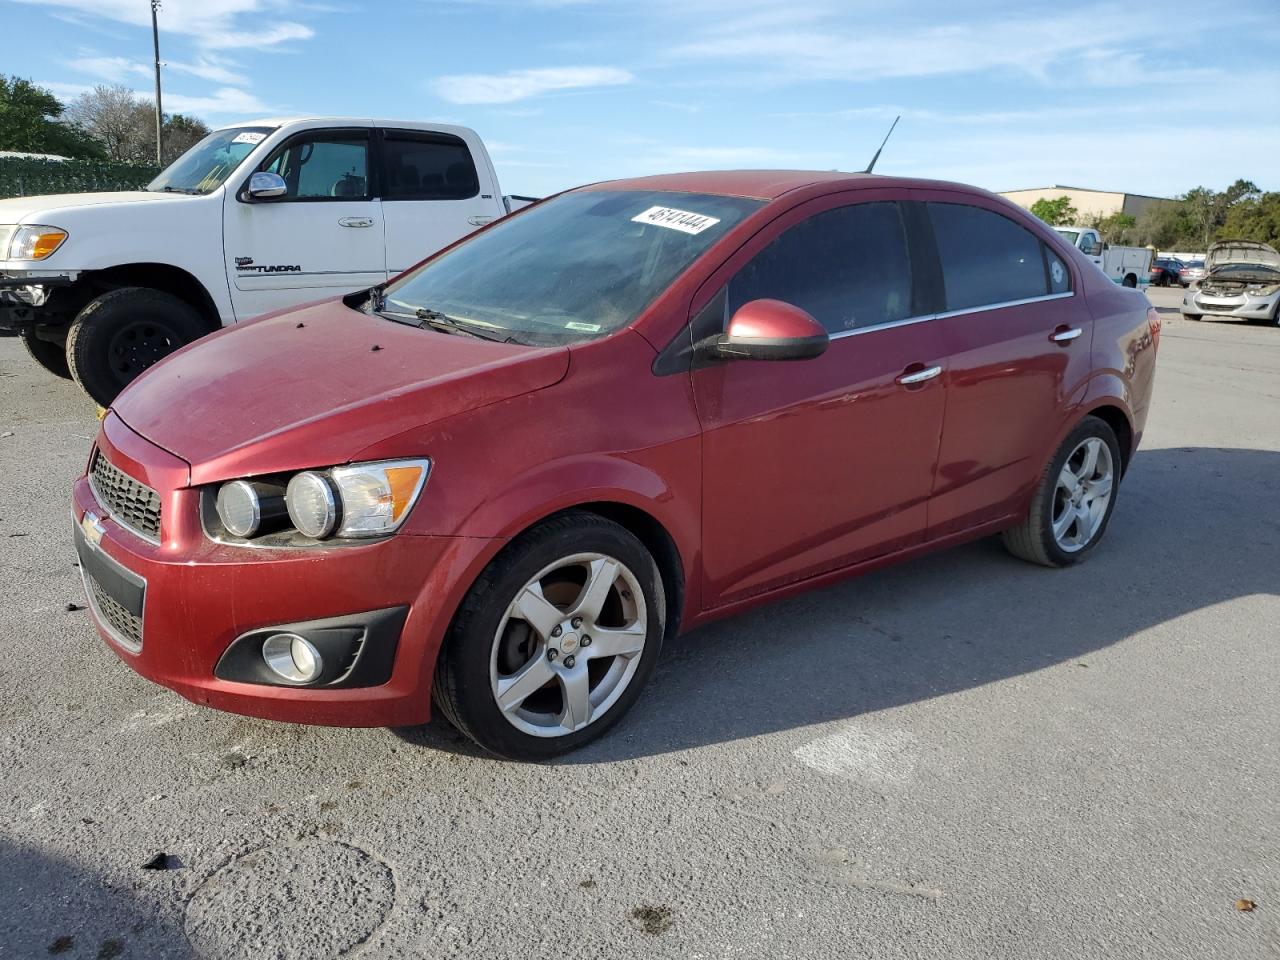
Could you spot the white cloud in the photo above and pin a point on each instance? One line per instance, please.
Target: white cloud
(209, 68)
(223, 101)
(212, 24)
(113, 69)
(522, 84)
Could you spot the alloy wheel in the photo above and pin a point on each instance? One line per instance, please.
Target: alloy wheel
(568, 645)
(1083, 494)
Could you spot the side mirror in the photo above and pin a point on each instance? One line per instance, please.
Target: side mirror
(266, 186)
(771, 330)
(1094, 249)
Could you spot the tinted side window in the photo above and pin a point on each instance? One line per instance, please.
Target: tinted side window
(986, 258)
(324, 166)
(428, 167)
(848, 267)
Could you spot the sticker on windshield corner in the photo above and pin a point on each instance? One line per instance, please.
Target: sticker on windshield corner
(249, 136)
(1056, 271)
(583, 327)
(674, 219)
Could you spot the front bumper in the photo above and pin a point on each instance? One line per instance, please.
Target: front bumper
(1243, 306)
(194, 599)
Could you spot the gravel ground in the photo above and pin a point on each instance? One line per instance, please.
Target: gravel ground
(964, 756)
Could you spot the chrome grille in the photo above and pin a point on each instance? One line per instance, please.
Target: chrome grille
(127, 627)
(129, 502)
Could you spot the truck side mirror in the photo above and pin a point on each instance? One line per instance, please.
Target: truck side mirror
(266, 186)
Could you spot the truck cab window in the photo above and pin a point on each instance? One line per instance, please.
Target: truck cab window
(332, 167)
(427, 167)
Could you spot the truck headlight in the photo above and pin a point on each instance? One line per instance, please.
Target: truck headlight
(34, 242)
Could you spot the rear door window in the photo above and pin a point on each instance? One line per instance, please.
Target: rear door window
(987, 258)
(848, 267)
(427, 166)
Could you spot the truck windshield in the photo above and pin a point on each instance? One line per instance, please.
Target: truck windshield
(1071, 236)
(206, 165)
(576, 267)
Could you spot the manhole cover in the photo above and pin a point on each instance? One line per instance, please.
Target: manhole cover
(307, 900)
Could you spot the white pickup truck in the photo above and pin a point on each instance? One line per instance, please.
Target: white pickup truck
(1128, 266)
(256, 217)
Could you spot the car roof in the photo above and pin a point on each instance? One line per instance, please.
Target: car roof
(767, 184)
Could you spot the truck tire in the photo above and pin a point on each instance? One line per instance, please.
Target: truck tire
(1130, 280)
(122, 332)
(51, 356)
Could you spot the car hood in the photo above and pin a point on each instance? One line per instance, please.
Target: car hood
(18, 209)
(1241, 251)
(315, 386)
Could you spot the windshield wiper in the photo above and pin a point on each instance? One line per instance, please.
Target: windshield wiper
(442, 321)
(169, 189)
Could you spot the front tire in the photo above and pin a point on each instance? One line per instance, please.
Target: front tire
(1073, 502)
(554, 641)
(52, 356)
(121, 333)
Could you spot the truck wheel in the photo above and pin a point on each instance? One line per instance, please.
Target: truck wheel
(1131, 281)
(1192, 316)
(51, 356)
(121, 333)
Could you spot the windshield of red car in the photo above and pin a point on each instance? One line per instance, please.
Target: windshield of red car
(576, 267)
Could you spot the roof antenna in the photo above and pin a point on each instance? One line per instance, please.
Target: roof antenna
(872, 165)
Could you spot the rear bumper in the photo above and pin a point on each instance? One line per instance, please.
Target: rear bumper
(195, 598)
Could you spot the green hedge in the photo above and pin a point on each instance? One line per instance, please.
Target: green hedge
(26, 177)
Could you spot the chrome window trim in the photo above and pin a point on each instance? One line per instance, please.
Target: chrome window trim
(925, 318)
(122, 641)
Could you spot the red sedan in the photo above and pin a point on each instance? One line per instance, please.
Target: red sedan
(496, 486)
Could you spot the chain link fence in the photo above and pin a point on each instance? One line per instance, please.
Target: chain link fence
(27, 176)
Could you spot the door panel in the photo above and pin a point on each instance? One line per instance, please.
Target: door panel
(812, 465)
(816, 464)
(1009, 382)
(323, 238)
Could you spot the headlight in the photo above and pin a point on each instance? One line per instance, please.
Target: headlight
(1262, 290)
(35, 242)
(376, 497)
(313, 508)
(246, 507)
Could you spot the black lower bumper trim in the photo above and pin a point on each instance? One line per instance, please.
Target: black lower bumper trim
(358, 650)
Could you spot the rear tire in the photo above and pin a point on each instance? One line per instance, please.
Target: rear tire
(1131, 281)
(123, 332)
(52, 356)
(507, 678)
(1068, 515)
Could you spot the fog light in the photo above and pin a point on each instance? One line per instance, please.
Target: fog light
(292, 657)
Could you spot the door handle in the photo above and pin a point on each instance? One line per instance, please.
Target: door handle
(356, 221)
(918, 376)
(479, 221)
(1065, 334)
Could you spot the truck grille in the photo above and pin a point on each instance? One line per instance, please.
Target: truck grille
(124, 624)
(133, 505)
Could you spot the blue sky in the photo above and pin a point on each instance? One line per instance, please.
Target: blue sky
(1148, 98)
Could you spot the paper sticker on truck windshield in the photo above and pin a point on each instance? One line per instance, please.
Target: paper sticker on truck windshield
(249, 136)
(674, 219)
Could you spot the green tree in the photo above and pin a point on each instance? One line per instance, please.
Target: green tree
(1253, 218)
(1116, 228)
(1055, 213)
(1208, 210)
(31, 122)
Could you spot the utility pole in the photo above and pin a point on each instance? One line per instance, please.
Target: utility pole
(155, 41)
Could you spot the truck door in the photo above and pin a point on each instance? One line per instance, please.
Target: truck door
(324, 237)
(434, 192)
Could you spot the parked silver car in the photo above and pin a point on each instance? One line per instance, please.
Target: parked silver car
(1242, 280)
